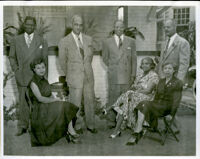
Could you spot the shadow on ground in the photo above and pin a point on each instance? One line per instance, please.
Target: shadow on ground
(100, 145)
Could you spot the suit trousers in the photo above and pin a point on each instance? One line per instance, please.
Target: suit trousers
(114, 91)
(75, 96)
(23, 110)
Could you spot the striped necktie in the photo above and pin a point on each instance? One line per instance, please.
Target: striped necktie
(29, 41)
(120, 42)
(80, 47)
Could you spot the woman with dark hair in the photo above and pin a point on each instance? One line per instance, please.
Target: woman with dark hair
(142, 89)
(166, 101)
(51, 118)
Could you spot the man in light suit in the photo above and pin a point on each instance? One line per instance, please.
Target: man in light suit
(75, 55)
(23, 49)
(177, 50)
(119, 54)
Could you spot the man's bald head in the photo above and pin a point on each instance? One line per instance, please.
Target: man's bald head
(77, 24)
(170, 27)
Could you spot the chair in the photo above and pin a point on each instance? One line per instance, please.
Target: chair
(167, 123)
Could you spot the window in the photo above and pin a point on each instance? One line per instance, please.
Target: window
(182, 16)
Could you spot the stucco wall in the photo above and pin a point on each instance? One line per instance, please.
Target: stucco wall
(137, 16)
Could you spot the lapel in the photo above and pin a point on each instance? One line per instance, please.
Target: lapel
(171, 48)
(117, 51)
(74, 46)
(124, 47)
(35, 44)
(85, 46)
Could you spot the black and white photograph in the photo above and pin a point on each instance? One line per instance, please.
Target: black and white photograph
(99, 79)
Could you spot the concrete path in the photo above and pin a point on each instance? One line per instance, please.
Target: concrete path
(100, 145)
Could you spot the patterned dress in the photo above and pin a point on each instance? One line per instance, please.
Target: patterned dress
(126, 103)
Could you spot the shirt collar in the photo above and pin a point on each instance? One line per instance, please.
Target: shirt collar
(173, 37)
(121, 37)
(76, 36)
(31, 35)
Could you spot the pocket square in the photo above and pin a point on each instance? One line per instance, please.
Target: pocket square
(40, 47)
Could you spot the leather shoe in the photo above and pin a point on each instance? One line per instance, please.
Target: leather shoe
(20, 132)
(94, 131)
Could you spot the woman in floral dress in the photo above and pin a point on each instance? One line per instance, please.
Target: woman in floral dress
(142, 89)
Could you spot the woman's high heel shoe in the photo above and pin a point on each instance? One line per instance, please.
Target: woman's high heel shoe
(115, 135)
(72, 138)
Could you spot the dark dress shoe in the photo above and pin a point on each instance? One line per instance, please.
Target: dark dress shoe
(94, 131)
(20, 132)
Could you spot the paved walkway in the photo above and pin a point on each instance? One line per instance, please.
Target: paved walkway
(100, 145)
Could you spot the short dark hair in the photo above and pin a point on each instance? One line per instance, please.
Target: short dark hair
(30, 18)
(35, 62)
(150, 60)
(174, 65)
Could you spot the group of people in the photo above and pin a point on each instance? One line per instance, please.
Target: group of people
(130, 92)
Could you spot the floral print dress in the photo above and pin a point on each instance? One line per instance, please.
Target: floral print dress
(126, 103)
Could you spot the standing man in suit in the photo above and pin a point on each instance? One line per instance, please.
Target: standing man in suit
(75, 55)
(23, 49)
(119, 54)
(177, 50)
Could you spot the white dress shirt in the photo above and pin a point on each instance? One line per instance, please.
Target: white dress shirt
(117, 39)
(172, 39)
(26, 36)
(76, 38)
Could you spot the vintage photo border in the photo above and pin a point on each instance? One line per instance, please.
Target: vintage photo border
(106, 3)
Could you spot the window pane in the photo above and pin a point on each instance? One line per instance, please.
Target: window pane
(178, 21)
(187, 10)
(175, 11)
(179, 16)
(187, 21)
(183, 10)
(183, 21)
(179, 11)
(183, 16)
(187, 15)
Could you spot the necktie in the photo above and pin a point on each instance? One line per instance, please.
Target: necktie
(80, 46)
(120, 42)
(167, 45)
(28, 41)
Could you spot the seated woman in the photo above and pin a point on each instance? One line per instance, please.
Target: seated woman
(166, 101)
(51, 118)
(142, 89)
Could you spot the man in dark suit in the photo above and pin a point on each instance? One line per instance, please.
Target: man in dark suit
(23, 49)
(119, 54)
(75, 55)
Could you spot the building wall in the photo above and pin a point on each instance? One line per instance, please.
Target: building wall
(137, 16)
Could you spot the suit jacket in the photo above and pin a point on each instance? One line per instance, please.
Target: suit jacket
(122, 63)
(21, 56)
(169, 93)
(75, 67)
(178, 53)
